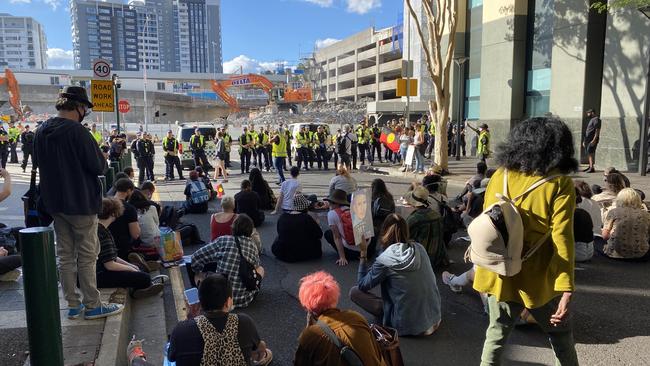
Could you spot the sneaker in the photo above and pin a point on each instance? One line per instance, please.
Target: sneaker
(162, 279)
(74, 313)
(154, 265)
(268, 357)
(138, 260)
(134, 350)
(152, 290)
(10, 276)
(446, 279)
(103, 311)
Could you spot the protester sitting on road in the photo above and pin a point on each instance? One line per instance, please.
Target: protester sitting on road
(383, 204)
(118, 176)
(125, 229)
(319, 294)
(10, 260)
(614, 183)
(299, 235)
(425, 226)
(261, 186)
(475, 181)
(129, 172)
(112, 271)
(340, 234)
(343, 181)
(288, 190)
(611, 169)
(217, 336)
(583, 232)
(196, 195)
(148, 188)
(206, 180)
(456, 283)
(248, 202)
(535, 149)
(410, 301)
(589, 205)
(433, 183)
(474, 203)
(626, 229)
(147, 219)
(221, 222)
(224, 254)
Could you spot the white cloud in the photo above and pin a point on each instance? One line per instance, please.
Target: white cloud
(322, 43)
(362, 6)
(321, 3)
(20, 1)
(250, 65)
(54, 4)
(58, 58)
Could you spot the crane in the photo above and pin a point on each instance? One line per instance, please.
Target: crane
(14, 92)
(288, 95)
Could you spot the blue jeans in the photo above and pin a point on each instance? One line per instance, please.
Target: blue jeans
(419, 160)
(402, 152)
(278, 163)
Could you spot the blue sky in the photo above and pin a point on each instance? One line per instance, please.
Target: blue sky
(256, 34)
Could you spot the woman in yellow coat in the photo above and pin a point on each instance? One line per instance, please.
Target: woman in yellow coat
(534, 149)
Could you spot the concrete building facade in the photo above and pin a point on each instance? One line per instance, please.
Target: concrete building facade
(23, 44)
(531, 58)
(159, 35)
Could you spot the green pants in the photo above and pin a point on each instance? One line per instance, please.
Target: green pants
(502, 318)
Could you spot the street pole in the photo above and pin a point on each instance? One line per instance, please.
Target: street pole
(41, 296)
(459, 61)
(116, 87)
(643, 140)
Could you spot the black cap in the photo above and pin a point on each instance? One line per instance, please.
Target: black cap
(76, 93)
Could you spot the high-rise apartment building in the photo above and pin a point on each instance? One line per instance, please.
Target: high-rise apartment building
(161, 35)
(22, 43)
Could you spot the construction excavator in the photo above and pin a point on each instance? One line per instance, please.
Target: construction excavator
(13, 90)
(281, 95)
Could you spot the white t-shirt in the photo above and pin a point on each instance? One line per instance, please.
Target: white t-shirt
(593, 208)
(288, 190)
(334, 219)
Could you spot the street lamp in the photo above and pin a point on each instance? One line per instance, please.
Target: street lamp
(643, 141)
(117, 84)
(459, 61)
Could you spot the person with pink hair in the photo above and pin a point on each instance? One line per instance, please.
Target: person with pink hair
(319, 294)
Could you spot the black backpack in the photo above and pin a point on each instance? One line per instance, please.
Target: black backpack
(341, 146)
(169, 217)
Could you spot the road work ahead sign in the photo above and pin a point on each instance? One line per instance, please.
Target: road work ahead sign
(102, 95)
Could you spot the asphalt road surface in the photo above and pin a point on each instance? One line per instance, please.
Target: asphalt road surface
(611, 319)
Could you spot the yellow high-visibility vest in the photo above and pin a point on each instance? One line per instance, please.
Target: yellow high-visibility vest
(279, 150)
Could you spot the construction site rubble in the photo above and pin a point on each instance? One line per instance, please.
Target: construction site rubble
(333, 112)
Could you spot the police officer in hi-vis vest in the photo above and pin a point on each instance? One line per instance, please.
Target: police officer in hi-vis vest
(170, 147)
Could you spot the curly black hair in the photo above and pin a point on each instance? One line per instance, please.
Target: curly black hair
(538, 145)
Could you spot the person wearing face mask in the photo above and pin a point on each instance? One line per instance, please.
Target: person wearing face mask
(69, 161)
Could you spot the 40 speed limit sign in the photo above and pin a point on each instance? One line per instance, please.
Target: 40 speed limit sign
(101, 69)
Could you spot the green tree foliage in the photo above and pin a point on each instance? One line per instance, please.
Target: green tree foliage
(617, 4)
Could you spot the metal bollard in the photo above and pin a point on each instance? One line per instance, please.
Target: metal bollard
(110, 177)
(126, 159)
(41, 296)
(117, 166)
(102, 183)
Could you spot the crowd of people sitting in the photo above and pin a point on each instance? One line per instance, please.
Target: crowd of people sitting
(411, 239)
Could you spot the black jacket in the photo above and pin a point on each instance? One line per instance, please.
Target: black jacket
(69, 162)
(27, 139)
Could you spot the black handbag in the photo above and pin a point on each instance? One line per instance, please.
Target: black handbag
(32, 206)
(247, 273)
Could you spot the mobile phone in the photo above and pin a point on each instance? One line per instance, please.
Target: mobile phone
(192, 295)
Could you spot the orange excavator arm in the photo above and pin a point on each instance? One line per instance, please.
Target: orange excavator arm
(248, 79)
(223, 94)
(14, 91)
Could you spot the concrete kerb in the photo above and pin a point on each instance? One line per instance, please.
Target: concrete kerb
(178, 291)
(112, 350)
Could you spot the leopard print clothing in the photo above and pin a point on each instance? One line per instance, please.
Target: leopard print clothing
(220, 349)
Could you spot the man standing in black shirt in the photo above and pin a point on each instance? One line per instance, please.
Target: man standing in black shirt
(4, 146)
(592, 136)
(27, 140)
(69, 163)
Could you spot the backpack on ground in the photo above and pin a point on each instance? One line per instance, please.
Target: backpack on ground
(199, 192)
(347, 354)
(497, 234)
(189, 235)
(341, 144)
(169, 217)
(346, 222)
